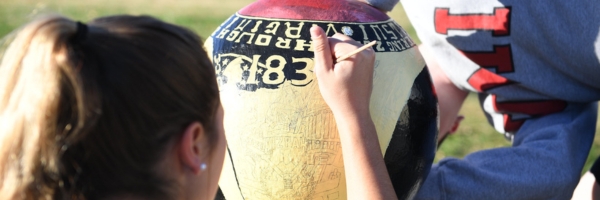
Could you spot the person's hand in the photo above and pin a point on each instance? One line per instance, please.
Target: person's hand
(443, 135)
(345, 86)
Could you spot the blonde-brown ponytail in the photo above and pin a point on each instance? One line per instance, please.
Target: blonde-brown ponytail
(31, 73)
(89, 116)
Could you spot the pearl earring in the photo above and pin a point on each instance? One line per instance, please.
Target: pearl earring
(203, 166)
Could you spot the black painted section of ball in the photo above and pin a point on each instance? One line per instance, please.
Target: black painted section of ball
(412, 147)
(219, 195)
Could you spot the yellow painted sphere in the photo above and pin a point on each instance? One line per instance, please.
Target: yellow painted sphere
(282, 137)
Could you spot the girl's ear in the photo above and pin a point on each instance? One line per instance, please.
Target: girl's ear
(192, 149)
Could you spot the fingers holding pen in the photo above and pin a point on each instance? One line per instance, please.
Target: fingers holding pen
(346, 85)
(322, 50)
(337, 47)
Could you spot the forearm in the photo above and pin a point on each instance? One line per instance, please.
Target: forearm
(544, 163)
(450, 97)
(366, 174)
(346, 88)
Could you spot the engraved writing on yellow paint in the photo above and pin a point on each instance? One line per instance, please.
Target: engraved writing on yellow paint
(273, 158)
(249, 73)
(389, 32)
(274, 66)
(263, 40)
(261, 32)
(293, 32)
(252, 71)
(283, 43)
(242, 25)
(303, 45)
(378, 46)
(300, 144)
(248, 41)
(329, 28)
(365, 35)
(256, 26)
(305, 71)
(272, 27)
(377, 30)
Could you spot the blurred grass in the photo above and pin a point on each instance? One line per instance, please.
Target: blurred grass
(201, 16)
(204, 16)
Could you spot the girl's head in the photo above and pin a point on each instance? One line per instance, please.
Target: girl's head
(122, 107)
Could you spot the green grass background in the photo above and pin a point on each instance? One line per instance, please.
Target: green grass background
(203, 16)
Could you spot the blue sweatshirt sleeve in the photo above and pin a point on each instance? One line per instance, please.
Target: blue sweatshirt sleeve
(545, 162)
(386, 5)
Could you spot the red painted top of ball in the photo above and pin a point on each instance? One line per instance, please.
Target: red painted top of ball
(321, 10)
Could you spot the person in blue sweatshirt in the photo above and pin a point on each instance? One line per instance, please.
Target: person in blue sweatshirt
(534, 66)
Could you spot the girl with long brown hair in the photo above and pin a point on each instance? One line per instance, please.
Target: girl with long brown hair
(95, 110)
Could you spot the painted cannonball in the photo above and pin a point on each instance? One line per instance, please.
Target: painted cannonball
(282, 137)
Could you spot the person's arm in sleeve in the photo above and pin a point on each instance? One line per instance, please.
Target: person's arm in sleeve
(545, 162)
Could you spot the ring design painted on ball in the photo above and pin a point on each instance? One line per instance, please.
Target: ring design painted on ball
(292, 63)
